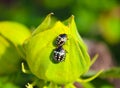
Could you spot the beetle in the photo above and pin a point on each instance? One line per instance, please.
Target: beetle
(59, 54)
(61, 39)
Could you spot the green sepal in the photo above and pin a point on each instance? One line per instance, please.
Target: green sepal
(46, 24)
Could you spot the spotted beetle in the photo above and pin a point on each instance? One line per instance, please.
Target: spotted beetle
(61, 39)
(59, 54)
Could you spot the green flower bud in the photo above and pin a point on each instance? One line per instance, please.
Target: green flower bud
(16, 33)
(8, 57)
(12, 35)
(39, 52)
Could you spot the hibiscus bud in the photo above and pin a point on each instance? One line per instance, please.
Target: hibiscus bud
(41, 46)
(12, 36)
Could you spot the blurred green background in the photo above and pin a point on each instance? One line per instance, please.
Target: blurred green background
(97, 20)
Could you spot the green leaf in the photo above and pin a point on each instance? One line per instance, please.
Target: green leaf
(101, 83)
(87, 85)
(111, 73)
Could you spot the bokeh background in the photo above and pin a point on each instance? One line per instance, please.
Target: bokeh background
(95, 19)
(98, 22)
